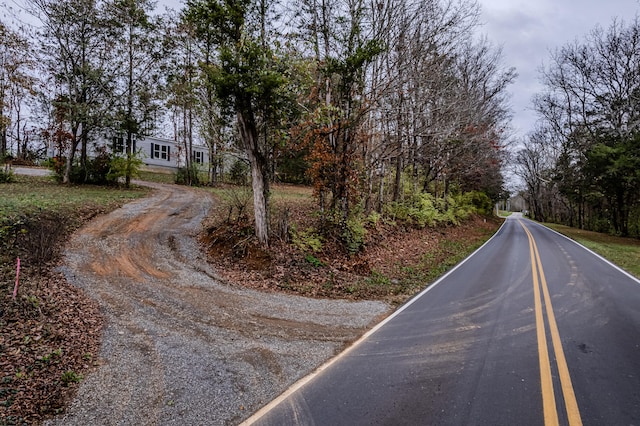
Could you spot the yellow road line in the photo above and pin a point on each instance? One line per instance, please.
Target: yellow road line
(573, 413)
(548, 397)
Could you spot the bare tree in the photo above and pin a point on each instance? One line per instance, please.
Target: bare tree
(136, 59)
(534, 164)
(16, 83)
(591, 103)
(429, 102)
(75, 52)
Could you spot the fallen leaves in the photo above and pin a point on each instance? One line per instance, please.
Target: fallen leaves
(390, 267)
(50, 330)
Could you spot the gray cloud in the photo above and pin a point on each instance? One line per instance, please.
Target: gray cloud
(528, 31)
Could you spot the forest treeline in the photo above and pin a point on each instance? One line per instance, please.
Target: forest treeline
(581, 166)
(375, 103)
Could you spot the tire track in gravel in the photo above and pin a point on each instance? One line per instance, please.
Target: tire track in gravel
(180, 346)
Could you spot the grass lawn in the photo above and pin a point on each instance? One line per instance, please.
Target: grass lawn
(32, 194)
(624, 252)
(157, 177)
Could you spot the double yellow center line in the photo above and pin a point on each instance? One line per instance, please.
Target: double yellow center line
(548, 397)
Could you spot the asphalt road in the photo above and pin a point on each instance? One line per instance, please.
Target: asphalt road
(530, 330)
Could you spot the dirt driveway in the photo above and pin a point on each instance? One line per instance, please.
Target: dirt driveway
(180, 347)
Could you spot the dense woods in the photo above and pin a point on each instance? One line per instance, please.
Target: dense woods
(582, 165)
(383, 106)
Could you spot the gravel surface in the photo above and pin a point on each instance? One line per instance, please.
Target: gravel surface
(31, 171)
(180, 346)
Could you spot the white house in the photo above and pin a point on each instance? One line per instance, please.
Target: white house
(159, 153)
(163, 153)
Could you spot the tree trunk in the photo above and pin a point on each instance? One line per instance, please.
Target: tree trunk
(381, 189)
(191, 170)
(368, 199)
(84, 142)
(129, 148)
(3, 143)
(3, 128)
(66, 179)
(259, 174)
(621, 212)
(260, 201)
(185, 146)
(398, 179)
(213, 171)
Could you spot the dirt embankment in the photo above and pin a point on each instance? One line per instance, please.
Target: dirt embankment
(180, 346)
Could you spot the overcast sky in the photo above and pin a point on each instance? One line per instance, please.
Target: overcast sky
(528, 30)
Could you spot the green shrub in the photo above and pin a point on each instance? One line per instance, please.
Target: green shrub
(188, 175)
(98, 168)
(374, 218)
(354, 234)
(397, 211)
(56, 165)
(602, 225)
(420, 210)
(69, 377)
(104, 169)
(95, 170)
(6, 175)
(306, 240)
(121, 166)
(424, 209)
(481, 201)
(237, 200)
(313, 260)
(239, 172)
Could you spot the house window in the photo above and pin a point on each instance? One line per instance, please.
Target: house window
(161, 152)
(118, 143)
(198, 157)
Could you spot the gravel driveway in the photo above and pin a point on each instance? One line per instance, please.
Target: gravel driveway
(31, 171)
(180, 346)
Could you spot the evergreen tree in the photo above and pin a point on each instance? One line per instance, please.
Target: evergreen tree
(246, 82)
